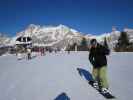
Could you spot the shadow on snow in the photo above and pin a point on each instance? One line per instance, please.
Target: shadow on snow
(62, 96)
(86, 74)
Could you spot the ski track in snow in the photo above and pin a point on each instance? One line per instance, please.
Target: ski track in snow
(53, 75)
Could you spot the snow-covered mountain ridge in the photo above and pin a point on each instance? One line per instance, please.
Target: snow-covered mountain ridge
(62, 36)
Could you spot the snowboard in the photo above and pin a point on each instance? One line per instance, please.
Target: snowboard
(88, 77)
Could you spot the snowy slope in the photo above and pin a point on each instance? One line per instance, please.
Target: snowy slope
(45, 78)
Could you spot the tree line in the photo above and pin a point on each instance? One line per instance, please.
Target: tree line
(123, 44)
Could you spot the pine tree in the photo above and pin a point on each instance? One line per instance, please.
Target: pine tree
(84, 42)
(123, 42)
(83, 45)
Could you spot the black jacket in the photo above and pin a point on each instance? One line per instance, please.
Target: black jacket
(97, 56)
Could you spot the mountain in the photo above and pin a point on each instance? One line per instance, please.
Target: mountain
(111, 37)
(61, 36)
(4, 40)
(58, 36)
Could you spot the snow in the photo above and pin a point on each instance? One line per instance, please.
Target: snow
(47, 77)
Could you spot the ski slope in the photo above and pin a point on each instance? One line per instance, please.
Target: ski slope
(55, 77)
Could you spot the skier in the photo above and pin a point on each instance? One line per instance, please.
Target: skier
(28, 53)
(97, 57)
(42, 51)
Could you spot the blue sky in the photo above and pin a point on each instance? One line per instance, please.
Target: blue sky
(87, 16)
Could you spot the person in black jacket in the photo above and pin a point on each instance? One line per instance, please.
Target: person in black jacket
(97, 57)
